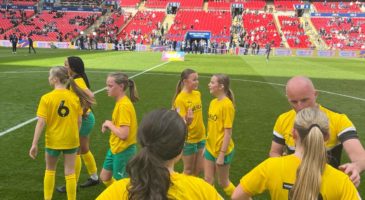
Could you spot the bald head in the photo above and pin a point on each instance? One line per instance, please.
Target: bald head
(301, 93)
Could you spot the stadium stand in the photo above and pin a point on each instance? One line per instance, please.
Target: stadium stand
(285, 5)
(260, 27)
(340, 32)
(129, 3)
(142, 25)
(156, 3)
(55, 26)
(337, 7)
(226, 4)
(258, 23)
(109, 28)
(294, 32)
(202, 21)
(91, 3)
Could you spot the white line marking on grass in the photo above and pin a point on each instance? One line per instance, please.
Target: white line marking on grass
(18, 126)
(95, 92)
(269, 83)
(169, 74)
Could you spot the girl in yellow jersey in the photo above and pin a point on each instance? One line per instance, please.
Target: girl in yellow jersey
(220, 148)
(161, 135)
(123, 127)
(60, 110)
(304, 175)
(76, 69)
(187, 102)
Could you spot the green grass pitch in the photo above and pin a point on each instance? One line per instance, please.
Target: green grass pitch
(258, 88)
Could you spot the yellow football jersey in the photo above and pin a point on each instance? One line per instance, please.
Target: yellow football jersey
(183, 187)
(220, 116)
(340, 129)
(185, 101)
(277, 175)
(123, 115)
(61, 109)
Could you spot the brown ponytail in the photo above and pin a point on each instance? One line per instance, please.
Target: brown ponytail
(184, 75)
(121, 78)
(224, 80)
(62, 74)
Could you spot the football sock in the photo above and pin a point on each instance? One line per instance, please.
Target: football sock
(71, 186)
(48, 183)
(90, 164)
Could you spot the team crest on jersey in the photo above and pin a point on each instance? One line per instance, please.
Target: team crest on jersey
(212, 117)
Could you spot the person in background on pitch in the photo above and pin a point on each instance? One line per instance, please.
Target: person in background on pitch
(60, 111)
(304, 175)
(268, 50)
(30, 41)
(161, 135)
(14, 42)
(187, 102)
(76, 69)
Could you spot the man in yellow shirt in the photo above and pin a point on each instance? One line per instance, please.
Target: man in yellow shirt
(304, 175)
(302, 94)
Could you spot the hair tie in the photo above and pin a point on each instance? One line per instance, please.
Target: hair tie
(131, 83)
(314, 125)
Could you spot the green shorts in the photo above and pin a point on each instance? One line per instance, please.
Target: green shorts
(87, 124)
(227, 158)
(191, 148)
(117, 163)
(57, 152)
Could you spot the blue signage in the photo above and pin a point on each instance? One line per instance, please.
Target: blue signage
(72, 8)
(237, 5)
(338, 14)
(325, 53)
(282, 52)
(304, 52)
(362, 54)
(302, 6)
(197, 35)
(347, 54)
(16, 7)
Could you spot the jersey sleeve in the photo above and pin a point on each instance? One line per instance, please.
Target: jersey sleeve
(277, 132)
(228, 115)
(346, 130)
(124, 116)
(117, 190)
(348, 190)
(255, 182)
(42, 108)
(81, 83)
(180, 107)
(210, 192)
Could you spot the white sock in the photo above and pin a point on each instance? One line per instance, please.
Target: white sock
(94, 177)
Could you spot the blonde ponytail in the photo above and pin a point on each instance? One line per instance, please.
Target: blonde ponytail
(312, 127)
